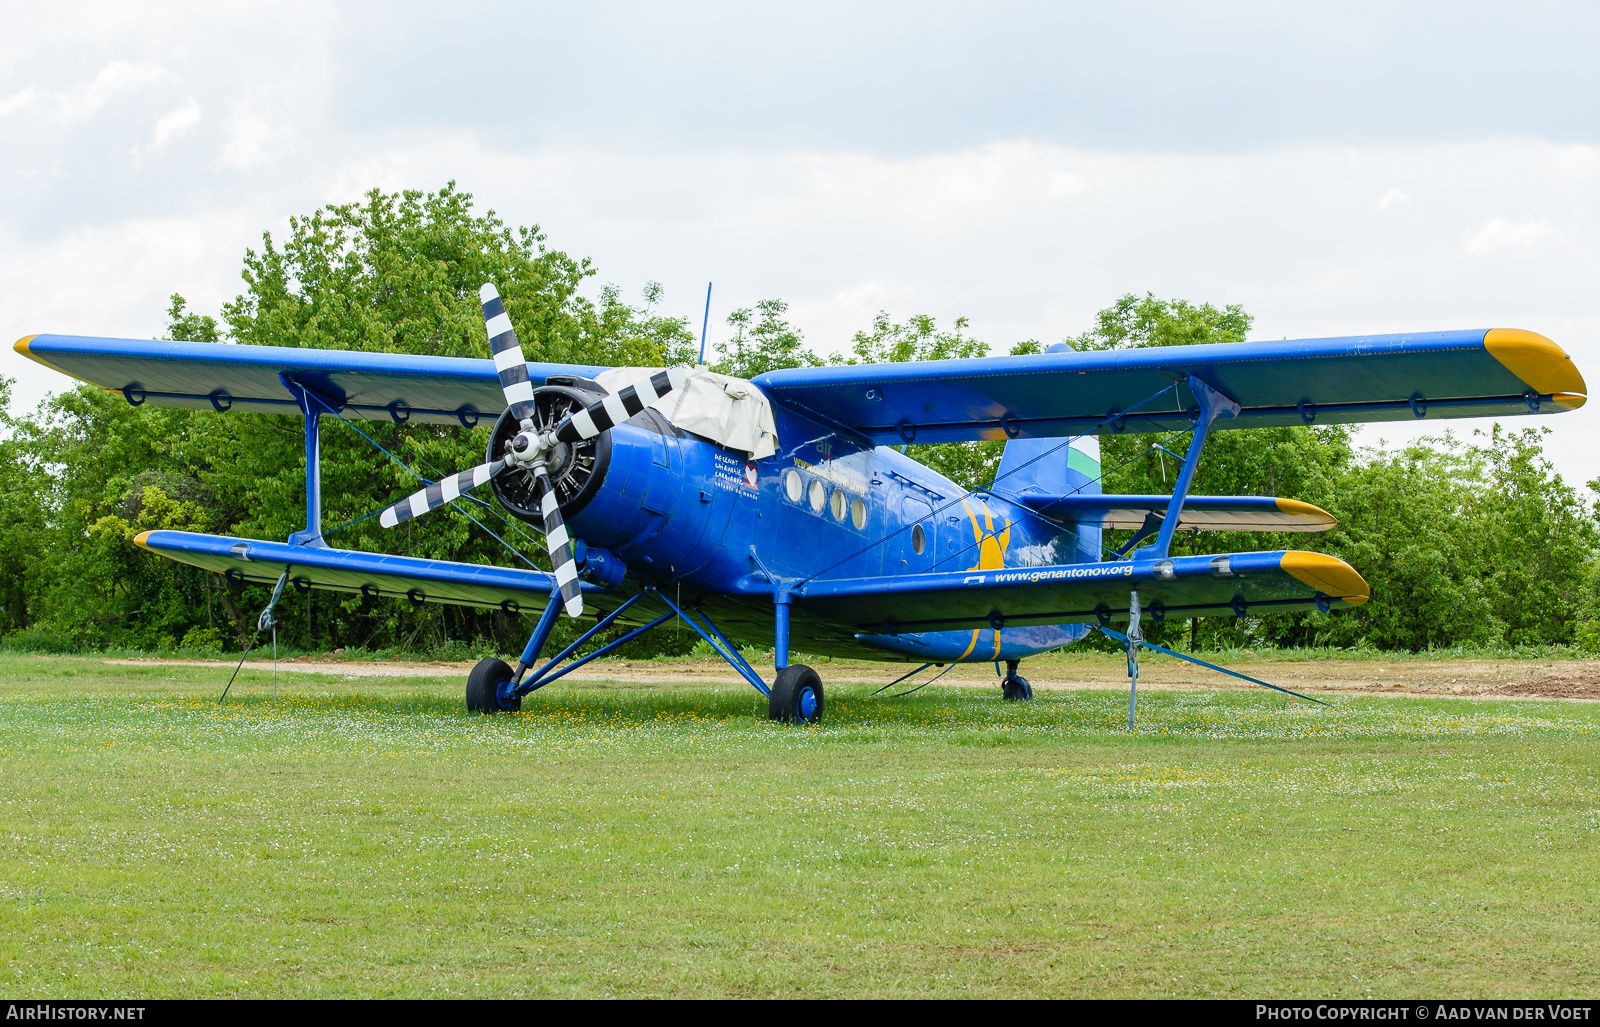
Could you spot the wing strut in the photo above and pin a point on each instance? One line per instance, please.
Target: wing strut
(1213, 404)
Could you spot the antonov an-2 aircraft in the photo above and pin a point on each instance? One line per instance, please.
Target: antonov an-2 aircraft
(779, 512)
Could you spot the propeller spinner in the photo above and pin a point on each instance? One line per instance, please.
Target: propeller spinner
(531, 449)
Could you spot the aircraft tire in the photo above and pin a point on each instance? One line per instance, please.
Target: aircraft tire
(482, 684)
(1016, 689)
(796, 696)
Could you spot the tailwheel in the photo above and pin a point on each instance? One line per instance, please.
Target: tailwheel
(796, 696)
(484, 684)
(1016, 689)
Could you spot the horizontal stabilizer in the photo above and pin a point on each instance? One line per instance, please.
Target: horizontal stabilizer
(1200, 513)
(1186, 586)
(346, 570)
(215, 376)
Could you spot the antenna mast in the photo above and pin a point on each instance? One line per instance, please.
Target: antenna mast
(704, 323)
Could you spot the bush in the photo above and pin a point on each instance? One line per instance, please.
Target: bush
(39, 639)
(204, 640)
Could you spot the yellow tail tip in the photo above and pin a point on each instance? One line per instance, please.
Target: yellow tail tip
(1541, 364)
(1327, 574)
(1307, 513)
(138, 539)
(21, 345)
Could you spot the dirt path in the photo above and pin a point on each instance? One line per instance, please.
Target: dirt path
(1554, 679)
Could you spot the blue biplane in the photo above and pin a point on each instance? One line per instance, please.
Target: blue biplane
(779, 511)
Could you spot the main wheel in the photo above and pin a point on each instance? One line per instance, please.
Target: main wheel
(796, 696)
(1015, 689)
(483, 688)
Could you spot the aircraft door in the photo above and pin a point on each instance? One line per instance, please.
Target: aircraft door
(664, 485)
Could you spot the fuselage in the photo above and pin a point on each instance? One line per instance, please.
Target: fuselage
(685, 513)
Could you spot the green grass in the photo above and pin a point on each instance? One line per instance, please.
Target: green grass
(370, 839)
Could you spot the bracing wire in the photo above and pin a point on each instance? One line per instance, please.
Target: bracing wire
(901, 678)
(408, 469)
(920, 687)
(1110, 418)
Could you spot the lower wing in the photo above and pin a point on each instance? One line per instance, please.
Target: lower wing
(347, 570)
(1184, 586)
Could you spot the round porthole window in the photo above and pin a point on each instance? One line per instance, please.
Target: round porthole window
(793, 485)
(836, 504)
(919, 539)
(819, 494)
(858, 513)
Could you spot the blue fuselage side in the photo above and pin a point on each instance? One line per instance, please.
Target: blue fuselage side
(688, 514)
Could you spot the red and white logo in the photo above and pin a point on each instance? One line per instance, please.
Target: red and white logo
(749, 476)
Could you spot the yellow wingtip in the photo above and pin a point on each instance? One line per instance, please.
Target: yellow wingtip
(1308, 512)
(1327, 574)
(21, 346)
(1540, 363)
(138, 539)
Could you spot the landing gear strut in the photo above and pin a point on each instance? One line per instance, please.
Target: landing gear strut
(1012, 687)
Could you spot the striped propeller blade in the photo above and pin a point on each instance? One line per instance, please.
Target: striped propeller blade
(438, 494)
(508, 359)
(616, 408)
(560, 547)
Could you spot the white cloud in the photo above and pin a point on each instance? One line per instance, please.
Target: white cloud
(18, 100)
(85, 99)
(255, 137)
(176, 122)
(1503, 233)
(1026, 239)
(1393, 198)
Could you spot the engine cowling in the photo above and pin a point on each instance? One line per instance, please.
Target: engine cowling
(576, 470)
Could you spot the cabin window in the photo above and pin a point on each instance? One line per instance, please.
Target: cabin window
(836, 504)
(793, 485)
(919, 539)
(819, 494)
(858, 513)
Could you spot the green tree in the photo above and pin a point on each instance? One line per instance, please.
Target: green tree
(1534, 535)
(1133, 322)
(969, 464)
(19, 520)
(763, 340)
(396, 272)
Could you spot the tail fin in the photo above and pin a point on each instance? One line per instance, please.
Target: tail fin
(1055, 467)
(1051, 467)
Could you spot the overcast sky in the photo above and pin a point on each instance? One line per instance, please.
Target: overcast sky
(1334, 168)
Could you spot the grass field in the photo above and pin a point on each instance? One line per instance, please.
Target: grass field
(368, 838)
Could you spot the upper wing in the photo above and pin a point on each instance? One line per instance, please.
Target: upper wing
(1184, 586)
(1199, 513)
(1330, 381)
(202, 375)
